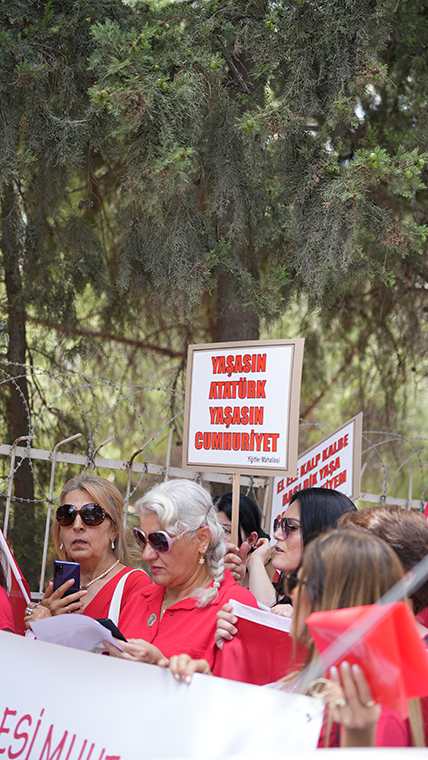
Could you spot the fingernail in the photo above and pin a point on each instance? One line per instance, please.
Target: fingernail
(187, 679)
(177, 677)
(356, 669)
(234, 620)
(345, 665)
(333, 671)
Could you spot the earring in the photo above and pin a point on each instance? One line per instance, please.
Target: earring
(202, 560)
(62, 546)
(112, 544)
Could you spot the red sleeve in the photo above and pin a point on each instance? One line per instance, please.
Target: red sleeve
(100, 604)
(6, 613)
(393, 731)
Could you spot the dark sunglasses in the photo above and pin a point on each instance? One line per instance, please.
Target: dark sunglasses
(286, 525)
(291, 581)
(90, 514)
(159, 539)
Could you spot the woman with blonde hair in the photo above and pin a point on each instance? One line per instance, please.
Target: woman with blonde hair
(349, 569)
(88, 529)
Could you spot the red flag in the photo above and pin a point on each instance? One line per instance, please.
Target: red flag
(259, 653)
(17, 586)
(426, 511)
(391, 653)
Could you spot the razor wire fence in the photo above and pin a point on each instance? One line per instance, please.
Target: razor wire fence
(73, 417)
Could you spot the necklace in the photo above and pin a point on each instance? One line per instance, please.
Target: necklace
(103, 575)
(165, 604)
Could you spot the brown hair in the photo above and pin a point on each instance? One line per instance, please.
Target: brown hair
(102, 492)
(348, 568)
(406, 532)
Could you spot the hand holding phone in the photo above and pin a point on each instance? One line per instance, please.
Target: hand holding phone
(66, 571)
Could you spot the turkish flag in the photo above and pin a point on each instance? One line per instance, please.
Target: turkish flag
(17, 586)
(391, 652)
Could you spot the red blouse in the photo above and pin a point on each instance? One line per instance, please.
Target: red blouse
(184, 627)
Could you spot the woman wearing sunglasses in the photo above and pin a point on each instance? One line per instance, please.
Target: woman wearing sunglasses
(310, 512)
(181, 539)
(88, 529)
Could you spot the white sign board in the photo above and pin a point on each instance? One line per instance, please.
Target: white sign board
(334, 462)
(242, 407)
(63, 704)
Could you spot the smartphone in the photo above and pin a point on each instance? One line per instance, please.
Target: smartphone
(107, 623)
(65, 571)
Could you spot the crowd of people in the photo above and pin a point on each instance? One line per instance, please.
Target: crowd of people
(327, 556)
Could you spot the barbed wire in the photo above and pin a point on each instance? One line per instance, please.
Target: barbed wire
(60, 391)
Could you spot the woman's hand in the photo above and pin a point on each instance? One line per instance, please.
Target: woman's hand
(38, 612)
(183, 667)
(286, 610)
(57, 604)
(354, 707)
(260, 554)
(234, 560)
(137, 650)
(226, 623)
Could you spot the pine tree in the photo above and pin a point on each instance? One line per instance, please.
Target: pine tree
(233, 120)
(48, 145)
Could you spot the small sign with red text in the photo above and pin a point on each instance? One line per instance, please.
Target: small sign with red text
(334, 462)
(242, 407)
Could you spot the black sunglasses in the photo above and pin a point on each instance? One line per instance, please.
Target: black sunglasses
(90, 514)
(286, 525)
(291, 581)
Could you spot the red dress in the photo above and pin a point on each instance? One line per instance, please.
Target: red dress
(6, 614)
(99, 606)
(184, 627)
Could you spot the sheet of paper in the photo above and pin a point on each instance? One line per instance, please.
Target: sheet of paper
(279, 622)
(75, 631)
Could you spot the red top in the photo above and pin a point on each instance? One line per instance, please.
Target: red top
(184, 627)
(6, 614)
(392, 731)
(98, 607)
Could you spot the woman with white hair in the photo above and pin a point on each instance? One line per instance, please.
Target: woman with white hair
(181, 539)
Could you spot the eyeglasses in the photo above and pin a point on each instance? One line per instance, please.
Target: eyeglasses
(286, 525)
(291, 581)
(159, 539)
(90, 514)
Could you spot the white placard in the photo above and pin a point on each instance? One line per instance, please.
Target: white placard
(242, 407)
(63, 704)
(334, 462)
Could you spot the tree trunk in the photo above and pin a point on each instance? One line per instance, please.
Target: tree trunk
(235, 321)
(23, 532)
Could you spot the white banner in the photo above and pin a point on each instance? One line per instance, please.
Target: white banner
(62, 704)
(334, 462)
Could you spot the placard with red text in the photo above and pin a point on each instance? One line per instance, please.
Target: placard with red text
(242, 407)
(334, 462)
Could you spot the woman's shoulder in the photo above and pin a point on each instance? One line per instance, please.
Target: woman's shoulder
(6, 613)
(230, 589)
(136, 579)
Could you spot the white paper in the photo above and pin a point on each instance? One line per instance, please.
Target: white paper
(255, 615)
(75, 631)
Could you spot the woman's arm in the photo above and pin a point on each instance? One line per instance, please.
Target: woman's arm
(260, 584)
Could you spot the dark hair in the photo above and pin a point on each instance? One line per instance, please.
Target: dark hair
(320, 509)
(249, 514)
(406, 532)
(2, 572)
